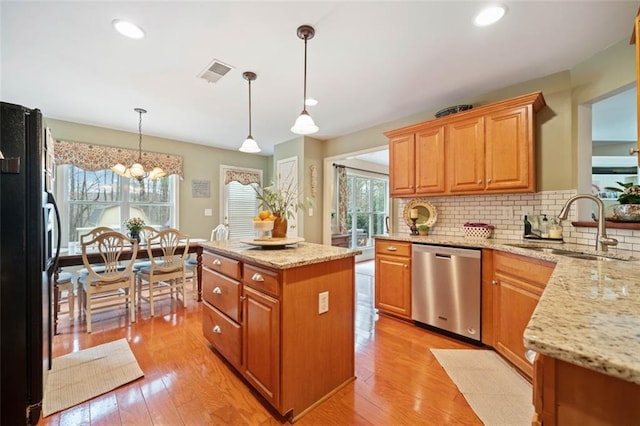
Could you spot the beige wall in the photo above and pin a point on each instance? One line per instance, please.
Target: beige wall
(200, 162)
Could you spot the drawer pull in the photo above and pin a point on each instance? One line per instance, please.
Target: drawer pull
(217, 329)
(257, 277)
(242, 298)
(217, 290)
(479, 181)
(392, 248)
(494, 282)
(217, 262)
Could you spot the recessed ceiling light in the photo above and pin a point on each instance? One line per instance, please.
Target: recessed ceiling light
(127, 29)
(311, 102)
(490, 15)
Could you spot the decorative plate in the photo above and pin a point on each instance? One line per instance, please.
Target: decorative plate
(427, 213)
(452, 110)
(273, 242)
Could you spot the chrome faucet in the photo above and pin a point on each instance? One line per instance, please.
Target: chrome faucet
(601, 236)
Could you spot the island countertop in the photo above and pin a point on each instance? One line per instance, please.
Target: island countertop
(589, 312)
(291, 256)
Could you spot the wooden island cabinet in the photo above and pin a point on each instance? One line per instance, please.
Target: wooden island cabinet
(264, 313)
(488, 149)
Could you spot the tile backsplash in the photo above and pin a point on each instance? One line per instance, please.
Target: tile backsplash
(506, 213)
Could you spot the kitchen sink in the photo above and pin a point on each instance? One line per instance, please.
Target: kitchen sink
(567, 253)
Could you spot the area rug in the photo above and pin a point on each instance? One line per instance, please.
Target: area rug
(80, 376)
(493, 389)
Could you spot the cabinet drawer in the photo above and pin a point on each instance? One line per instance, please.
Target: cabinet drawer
(261, 279)
(222, 292)
(223, 333)
(396, 248)
(224, 265)
(535, 271)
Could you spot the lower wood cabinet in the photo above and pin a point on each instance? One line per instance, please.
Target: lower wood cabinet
(567, 394)
(393, 278)
(518, 282)
(266, 323)
(262, 343)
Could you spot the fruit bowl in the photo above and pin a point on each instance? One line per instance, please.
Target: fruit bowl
(263, 225)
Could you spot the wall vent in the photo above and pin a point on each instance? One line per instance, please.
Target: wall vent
(215, 71)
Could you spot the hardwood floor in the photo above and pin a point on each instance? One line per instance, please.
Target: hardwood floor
(399, 382)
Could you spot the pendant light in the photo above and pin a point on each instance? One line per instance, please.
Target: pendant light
(304, 124)
(249, 144)
(137, 170)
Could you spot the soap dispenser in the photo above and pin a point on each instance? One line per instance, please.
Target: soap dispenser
(544, 227)
(555, 230)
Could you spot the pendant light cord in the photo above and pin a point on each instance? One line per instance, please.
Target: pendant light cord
(140, 138)
(304, 100)
(250, 109)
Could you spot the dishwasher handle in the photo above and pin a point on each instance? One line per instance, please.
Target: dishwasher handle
(446, 256)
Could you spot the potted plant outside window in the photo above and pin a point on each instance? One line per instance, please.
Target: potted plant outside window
(629, 208)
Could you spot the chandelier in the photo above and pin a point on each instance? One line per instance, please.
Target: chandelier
(137, 170)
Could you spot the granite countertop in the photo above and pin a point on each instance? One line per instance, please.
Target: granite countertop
(589, 312)
(291, 256)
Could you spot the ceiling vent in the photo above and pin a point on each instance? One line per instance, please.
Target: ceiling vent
(215, 71)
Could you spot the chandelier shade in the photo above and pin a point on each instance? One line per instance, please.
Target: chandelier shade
(249, 145)
(304, 124)
(137, 170)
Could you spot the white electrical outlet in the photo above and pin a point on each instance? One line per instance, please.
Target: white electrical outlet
(323, 302)
(208, 212)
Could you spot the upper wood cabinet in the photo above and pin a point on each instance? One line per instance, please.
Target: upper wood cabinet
(488, 149)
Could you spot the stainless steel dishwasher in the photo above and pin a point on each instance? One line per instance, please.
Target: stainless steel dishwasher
(446, 288)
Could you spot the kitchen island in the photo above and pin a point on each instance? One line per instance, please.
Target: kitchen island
(585, 330)
(283, 318)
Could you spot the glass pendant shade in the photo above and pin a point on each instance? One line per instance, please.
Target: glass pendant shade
(304, 124)
(137, 170)
(249, 145)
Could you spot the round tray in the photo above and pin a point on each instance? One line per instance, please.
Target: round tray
(272, 242)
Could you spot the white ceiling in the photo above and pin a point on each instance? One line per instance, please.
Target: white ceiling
(369, 63)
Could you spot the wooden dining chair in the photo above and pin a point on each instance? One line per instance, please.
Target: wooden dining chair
(109, 284)
(220, 232)
(63, 283)
(166, 275)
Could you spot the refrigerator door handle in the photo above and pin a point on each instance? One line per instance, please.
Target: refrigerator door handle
(53, 266)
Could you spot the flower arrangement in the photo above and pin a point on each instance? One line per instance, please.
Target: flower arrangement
(281, 202)
(134, 224)
(629, 193)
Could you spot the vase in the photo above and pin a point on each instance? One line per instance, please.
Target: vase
(135, 236)
(279, 227)
(626, 212)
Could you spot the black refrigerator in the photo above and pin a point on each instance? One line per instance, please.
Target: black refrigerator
(27, 262)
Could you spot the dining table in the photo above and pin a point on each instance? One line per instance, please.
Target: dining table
(75, 259)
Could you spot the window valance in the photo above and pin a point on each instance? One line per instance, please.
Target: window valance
(245, 177)
(100, 157)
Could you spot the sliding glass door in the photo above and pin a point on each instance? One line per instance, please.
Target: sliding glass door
(367, 207)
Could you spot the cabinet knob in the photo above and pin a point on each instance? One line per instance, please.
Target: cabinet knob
(392, 248)
(242, 298)
(479, 181)
(257, 277)
(217, 290)
(488, 180)
(405, 266)
(494, 282)
(217, 262)
(217, 329)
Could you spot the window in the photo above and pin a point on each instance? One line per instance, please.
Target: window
(101, 198)
(239, 204)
